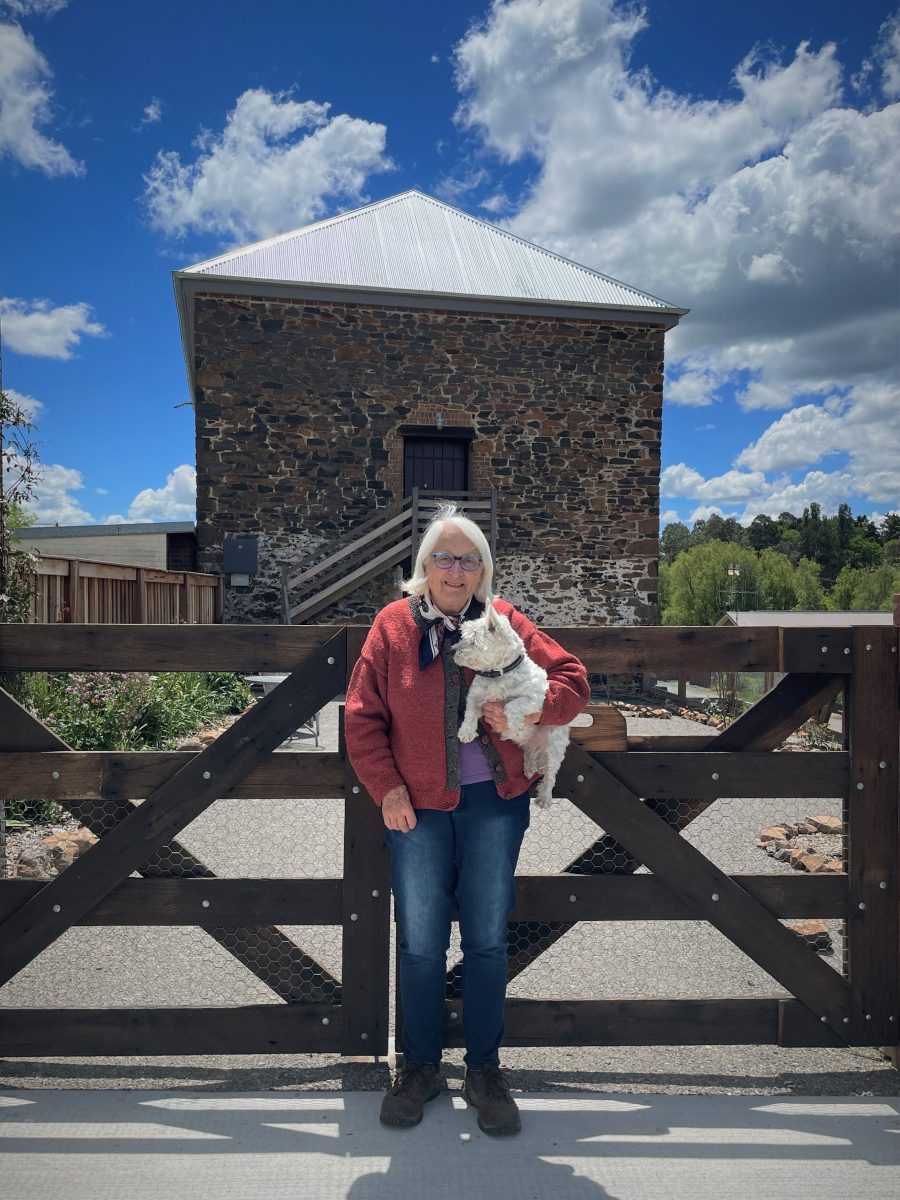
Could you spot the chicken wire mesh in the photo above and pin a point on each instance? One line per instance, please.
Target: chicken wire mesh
(188, 965)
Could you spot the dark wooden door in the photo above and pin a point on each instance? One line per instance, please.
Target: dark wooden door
(436, 463)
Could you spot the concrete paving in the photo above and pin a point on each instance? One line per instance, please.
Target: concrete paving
(151, 1145)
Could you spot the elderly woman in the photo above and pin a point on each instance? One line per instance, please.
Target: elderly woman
(454, 814)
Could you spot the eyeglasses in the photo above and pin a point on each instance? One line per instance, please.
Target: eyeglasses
(445, 560)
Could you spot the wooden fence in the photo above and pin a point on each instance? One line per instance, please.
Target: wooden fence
(71, 590)
(641, 799)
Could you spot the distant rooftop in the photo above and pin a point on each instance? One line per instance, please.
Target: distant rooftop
(415, 243)
(56, 531)
(808, 617)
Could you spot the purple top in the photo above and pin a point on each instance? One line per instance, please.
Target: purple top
(473, 766)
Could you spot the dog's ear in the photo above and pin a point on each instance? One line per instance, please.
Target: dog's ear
(489, 612)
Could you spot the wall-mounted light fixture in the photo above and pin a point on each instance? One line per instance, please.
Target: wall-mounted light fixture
(240, 560)
(439, 420)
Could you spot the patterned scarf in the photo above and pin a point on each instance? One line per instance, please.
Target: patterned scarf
(439, 626)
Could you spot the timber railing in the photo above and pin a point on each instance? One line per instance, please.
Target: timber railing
(81, 592)
(641, 799)
(368, 550)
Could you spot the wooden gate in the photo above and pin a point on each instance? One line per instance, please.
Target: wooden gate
(317, 1012)
(641, 799)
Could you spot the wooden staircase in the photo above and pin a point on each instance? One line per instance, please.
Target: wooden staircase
(390, 537)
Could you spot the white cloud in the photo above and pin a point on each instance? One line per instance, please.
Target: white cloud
(860, 431)
(668, 517)
(52, 502)
(694, 387)
(152, 114)
(26, 104)
(277, 164)
(453, 188)
(703, 513)
(730, 488)
(176, 501)
(680, 480)
(772, 215)
(864, 427)
(772, 267)
(498, 202)
(885, 60)
(33, 8)
(31, 407)
(35, 327)
(435, 58)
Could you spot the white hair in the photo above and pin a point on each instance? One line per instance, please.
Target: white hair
(445, 516)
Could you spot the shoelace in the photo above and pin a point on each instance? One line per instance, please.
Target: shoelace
(495, 1085)
(408, 1079)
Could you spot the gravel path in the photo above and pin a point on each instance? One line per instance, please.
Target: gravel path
(147, 966)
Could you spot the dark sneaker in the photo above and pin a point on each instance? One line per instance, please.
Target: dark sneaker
(488, 1092)
(414, 1085)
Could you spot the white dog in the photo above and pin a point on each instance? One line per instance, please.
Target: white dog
(503, 671)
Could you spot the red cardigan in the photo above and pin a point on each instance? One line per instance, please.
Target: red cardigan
(395, 724)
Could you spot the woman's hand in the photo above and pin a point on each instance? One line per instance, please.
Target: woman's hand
(494, 715)
(397, 810)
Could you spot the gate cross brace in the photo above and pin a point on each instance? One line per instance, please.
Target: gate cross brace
(762, 727)
(190, 791)
(285, 968)
(709, 892)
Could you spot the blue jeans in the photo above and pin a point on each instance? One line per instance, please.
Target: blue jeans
(468, 857)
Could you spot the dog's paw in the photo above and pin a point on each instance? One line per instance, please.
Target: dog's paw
(467, 733)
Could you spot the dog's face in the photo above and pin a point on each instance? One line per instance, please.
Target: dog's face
(488, 643)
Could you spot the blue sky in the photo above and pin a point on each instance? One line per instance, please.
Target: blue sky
(739, 160)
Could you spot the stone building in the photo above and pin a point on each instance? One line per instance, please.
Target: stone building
(408, 343)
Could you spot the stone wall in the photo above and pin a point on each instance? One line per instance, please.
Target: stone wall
(298, 410)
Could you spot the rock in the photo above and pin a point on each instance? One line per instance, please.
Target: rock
(825, 824)
(783, 855)
(191, 743)
(775, 833)
(796, 857)
(775, 844)
(34, 864)
(834, 865)
(814, 863)
(814, 933)
(64, 848)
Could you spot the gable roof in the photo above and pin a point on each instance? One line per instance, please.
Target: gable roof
(414, 243)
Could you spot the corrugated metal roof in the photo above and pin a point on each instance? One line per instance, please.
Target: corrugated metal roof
(414, 243)
(810, 617)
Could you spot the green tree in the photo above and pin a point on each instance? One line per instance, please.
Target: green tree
(890, 528)
(763, 533)
(19, 475)
(864, 553)
(777, 581)
(675, 538)
(789, 545)
(664, 571)
(874, 589)
(702, 585)
(808, 586)
(840, 598)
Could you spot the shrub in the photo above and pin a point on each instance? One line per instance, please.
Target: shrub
(110, 710)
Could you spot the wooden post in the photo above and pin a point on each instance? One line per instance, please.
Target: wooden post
(75, 597)
(873, 924)
(367, 907)
(140, 597)
(220, 601)
(184, 599)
